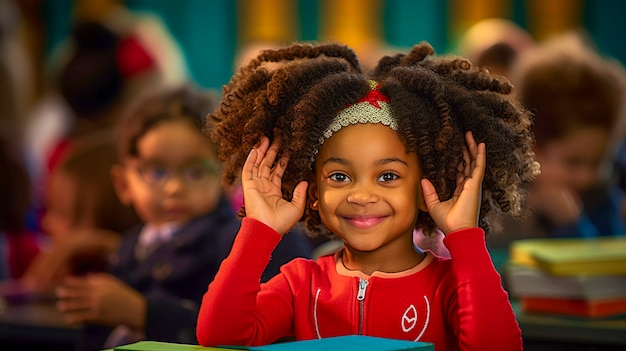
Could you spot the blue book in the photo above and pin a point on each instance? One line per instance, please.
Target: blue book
(349, 343)
(344, 343)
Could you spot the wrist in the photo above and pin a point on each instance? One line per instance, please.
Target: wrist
(137, 319)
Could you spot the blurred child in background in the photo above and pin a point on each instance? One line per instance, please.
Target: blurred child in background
(169, 172)
(83, 217)
(18, 245)
(495, 44)
(578, 100)
(97, 72)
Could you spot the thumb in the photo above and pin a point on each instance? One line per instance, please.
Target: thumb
(431, 198)
(299, 195)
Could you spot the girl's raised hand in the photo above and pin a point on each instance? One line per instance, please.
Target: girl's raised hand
(462, 210)
(261, 182)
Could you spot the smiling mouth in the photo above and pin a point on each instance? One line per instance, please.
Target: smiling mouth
(364, 222)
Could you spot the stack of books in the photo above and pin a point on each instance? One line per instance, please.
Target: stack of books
(575, 277)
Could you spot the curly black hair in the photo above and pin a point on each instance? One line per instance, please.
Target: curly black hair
(292, 95)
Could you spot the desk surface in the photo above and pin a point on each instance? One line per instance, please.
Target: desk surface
(38, 323)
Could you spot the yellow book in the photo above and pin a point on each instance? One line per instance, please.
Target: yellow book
(572, 256)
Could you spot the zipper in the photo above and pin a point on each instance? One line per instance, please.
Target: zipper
(361, 298)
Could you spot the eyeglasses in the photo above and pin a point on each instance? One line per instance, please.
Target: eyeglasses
(192, 174)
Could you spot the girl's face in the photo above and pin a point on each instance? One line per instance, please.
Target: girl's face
(368, 187)
(175, 177)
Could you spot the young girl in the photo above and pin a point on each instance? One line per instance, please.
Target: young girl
(371, 159)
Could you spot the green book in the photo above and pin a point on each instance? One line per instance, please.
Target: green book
(162, 346)
(572, 256)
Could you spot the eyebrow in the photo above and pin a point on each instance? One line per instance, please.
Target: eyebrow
(383, 161)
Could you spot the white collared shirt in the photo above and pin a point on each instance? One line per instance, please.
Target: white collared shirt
(152, 236)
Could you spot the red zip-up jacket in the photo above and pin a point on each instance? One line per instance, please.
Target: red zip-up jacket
(456, 303)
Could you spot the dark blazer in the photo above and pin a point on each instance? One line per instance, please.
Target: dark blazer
(175, 276)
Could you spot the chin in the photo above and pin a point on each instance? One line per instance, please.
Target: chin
(362, 247)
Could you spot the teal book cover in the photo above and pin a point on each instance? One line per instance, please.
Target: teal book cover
(349, 343)
(344, 343)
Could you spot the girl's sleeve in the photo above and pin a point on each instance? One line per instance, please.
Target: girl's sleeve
(481, 315)
(237, 309)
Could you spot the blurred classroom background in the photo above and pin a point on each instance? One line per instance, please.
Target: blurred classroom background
(203, 41)
(212, 33)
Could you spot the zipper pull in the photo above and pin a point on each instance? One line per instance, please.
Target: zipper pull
(362, 286)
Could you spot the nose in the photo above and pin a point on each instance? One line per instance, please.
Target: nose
(174, 184)
(362, 194)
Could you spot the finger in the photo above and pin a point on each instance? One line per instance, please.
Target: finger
(73, 305)
(253, 161)
(299, 195)
(267, 163)
(466, 164)
(471, 149)
(250, 167)
(72, 281)
(431, 198)
(481, 162)
(471, 143)
(460, 184)
(279, 170)
(72, 292)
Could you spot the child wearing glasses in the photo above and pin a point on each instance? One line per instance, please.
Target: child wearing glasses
(169, 172)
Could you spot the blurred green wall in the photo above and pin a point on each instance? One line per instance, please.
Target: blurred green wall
(207, 29)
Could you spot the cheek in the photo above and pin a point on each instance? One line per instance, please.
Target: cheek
(328, 202)
(145, 202)
(206, 200)
(407, 200)
(330, 198)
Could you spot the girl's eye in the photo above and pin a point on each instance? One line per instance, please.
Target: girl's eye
(339, 177)
(387, 177)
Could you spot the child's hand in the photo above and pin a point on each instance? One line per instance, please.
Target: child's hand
(461, 211)
(51, 266)
(262, 194)
(101, 299)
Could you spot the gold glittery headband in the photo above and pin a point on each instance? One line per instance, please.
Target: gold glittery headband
(372, 108)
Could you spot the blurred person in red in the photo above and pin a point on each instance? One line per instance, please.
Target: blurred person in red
(83, 217)
(18, 245)
(111, 55)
